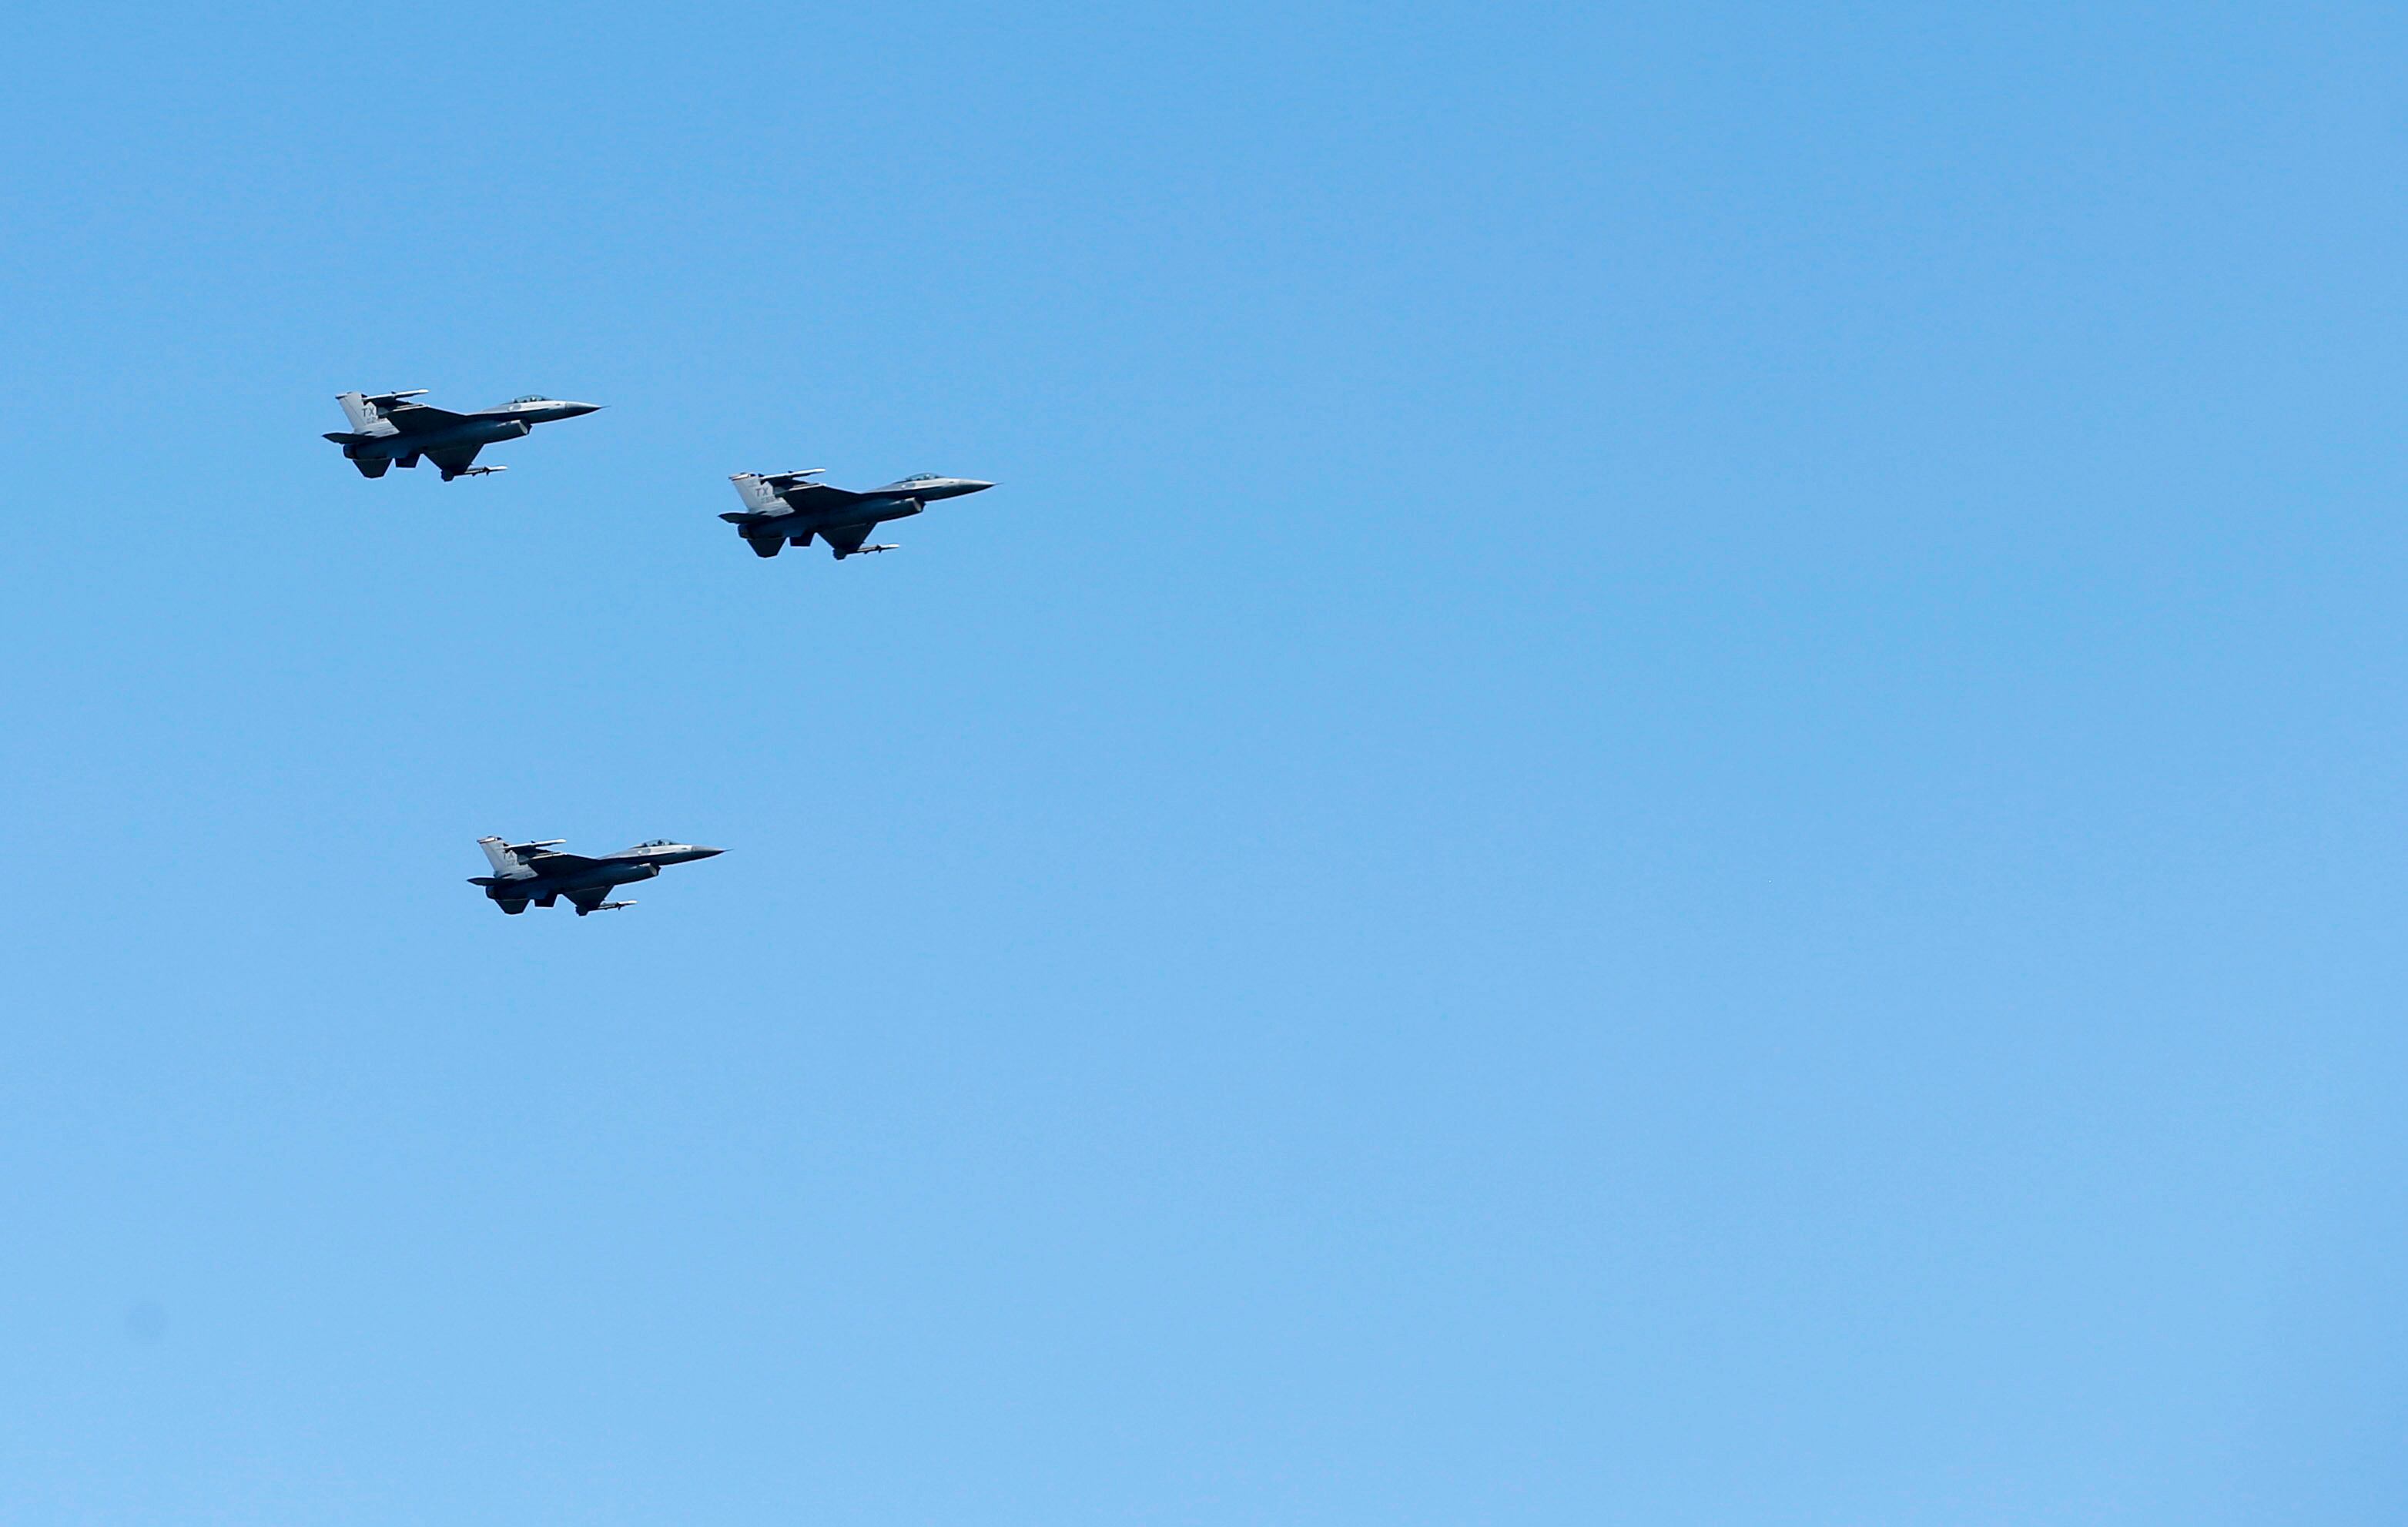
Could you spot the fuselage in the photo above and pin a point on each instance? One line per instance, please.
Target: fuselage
(478, 431)
(786, 507)
(545, 884)
(929, 489)
(876, 506)
(382, 438)
(861, 511)
(535, 410)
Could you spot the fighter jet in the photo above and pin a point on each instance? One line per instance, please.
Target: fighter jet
(387, 429)
(541, 874)
(787, 509)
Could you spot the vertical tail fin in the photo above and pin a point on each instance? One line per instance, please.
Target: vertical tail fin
(506, 864)
(366, 410)
(756, 491)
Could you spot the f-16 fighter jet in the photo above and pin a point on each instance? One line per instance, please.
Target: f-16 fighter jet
(541, 874)
(387, 428)
(787, 509)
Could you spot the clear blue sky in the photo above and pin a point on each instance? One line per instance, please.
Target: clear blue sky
(1667, 789)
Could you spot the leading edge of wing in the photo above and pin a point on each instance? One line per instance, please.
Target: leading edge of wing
(812, 496)
(418, 418)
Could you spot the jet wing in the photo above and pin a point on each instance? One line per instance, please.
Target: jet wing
(812, 498)
(457, 459)
(418, 418)
(845, 539)
(590, 901)
(560, 864)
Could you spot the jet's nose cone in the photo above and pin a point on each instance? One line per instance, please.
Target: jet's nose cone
(972, 485)
(571, 410)
(700, 853)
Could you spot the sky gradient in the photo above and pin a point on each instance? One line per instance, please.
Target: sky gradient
(1666, 789)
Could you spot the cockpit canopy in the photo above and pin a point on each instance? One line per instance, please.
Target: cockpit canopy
(657, 843)
(926, 477)
(531, 397)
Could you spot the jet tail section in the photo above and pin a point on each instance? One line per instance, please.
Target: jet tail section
(755, 490)
(366, 410)
(505, 860)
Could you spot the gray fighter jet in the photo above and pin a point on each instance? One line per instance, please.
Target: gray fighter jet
(541, 874)
(787, 509)
(387, 428)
